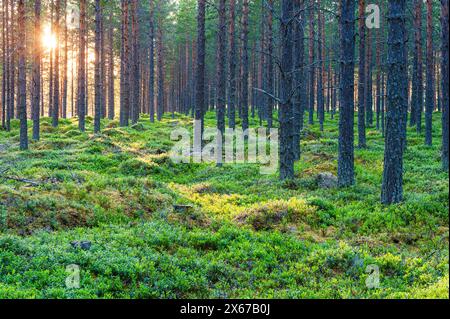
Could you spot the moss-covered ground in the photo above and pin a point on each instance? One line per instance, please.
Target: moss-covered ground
(247, 235)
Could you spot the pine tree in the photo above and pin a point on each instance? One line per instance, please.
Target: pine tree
(98, 84)
(81, 102)
(221, 76)
(299, 79)
(65, 66)
(287, 156)
(418, 71)
(160, 66)
(320, 78)
(269, 87)
(397, 103)
(346, 169)
(200, 76)
(4, 63)
(444, 82)
(429, 102)
(124, 68)
(56, 92)
(111, 94)
(36, 81)
(232, 66)
(312, 67)
(245, 65)
(22, 78)
(151, 82)
(362, 76)
(135, 65)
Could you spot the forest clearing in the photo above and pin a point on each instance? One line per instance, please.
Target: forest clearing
(94, 206)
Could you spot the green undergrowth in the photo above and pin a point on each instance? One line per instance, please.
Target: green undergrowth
(240, 234)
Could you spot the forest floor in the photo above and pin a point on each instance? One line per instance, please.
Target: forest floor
(247, 235)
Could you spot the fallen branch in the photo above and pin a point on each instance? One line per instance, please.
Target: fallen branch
(22, 180)
(17, 179)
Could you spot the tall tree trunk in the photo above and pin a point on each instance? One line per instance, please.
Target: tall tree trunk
(362, 77)
(4, 66)
(397, 100)
(73, 112)
(8, 67)
(418, 74)
(51, 75)
(134, 76)
(378, 79)
(36, 88)
(254, 82)
(369, 82)
(299, 79)
(111, 95)
(270, 68)
(320, 79)
(56, 30)
(12, 63)
(87, 66)
(346, 165)
(221, 76)
(22, 101)
(261, 67)
(334, 95)
(232, 66)
(161, 99)
(66, 60)
(444, 82)
(151, 40)
(200, 78)
(97, 68)
(102, 63)
(124, 68)
(287, 156)
(245, 65)
(429, 104)
(81, 103)
(312, 67)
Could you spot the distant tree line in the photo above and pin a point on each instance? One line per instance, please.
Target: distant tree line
(307, 60)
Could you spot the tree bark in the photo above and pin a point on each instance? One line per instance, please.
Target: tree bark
(200, 76)
(81, 103)
(397, 101)
(151, 40)
(36, 81)
(97, 68)
(346, 169)
(287, 156)
(320, 79)
(4, 63)
(65, 70)
(22, 93)
(270, 68)
(221, 76)
(160, 101)
(299, 79)
(124, 71)
(135, 75)
(444, 83)
(111, 77)
(312, 67)
(56, 92)
(429, 105)
(245, 65)
(362, 77)
(232, 66)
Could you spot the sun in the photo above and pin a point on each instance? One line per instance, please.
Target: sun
(48, 39)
